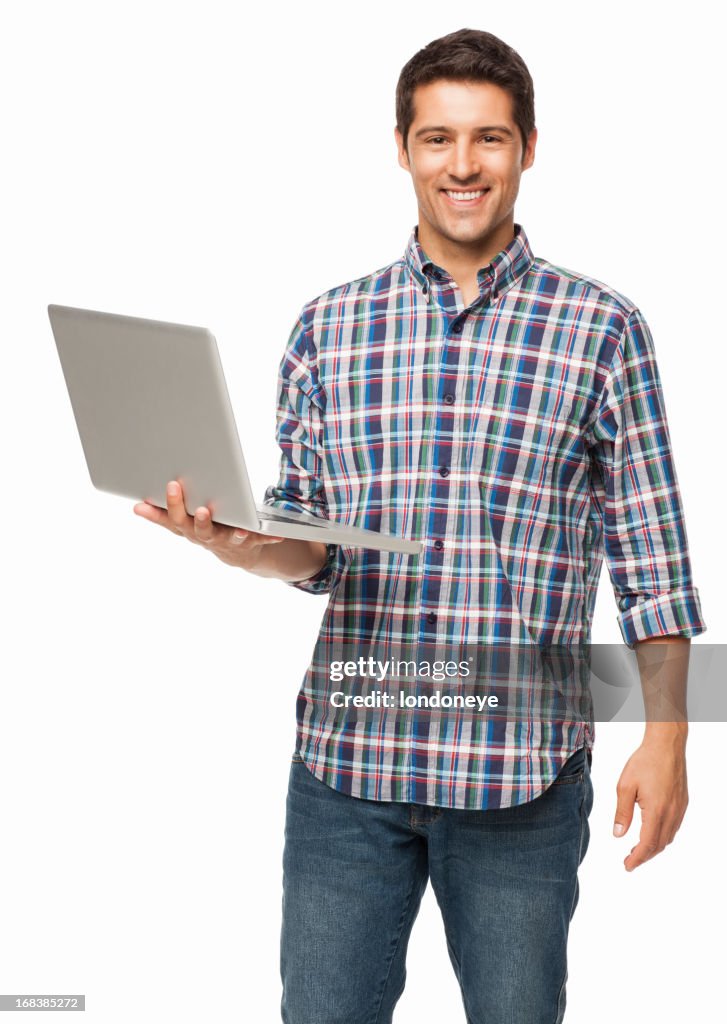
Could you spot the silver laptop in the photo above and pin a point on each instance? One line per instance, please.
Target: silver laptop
(151, 405)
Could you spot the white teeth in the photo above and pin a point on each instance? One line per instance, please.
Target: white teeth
(462, 196)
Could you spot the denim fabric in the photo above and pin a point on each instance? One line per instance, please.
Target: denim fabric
(355, 870)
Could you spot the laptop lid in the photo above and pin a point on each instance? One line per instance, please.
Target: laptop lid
(151, 405)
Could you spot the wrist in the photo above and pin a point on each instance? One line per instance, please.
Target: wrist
(666, 733)
(292, 560)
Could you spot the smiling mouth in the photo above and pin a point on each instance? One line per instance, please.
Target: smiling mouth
(465, 196)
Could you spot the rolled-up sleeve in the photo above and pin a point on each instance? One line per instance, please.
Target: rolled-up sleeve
(299, 425)
(644, 533)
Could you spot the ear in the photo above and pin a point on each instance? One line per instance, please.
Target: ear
(529, 154)
(402, 156)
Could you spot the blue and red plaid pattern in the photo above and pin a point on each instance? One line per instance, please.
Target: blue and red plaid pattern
(522, 439)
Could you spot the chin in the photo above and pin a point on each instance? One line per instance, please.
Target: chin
(473, 233)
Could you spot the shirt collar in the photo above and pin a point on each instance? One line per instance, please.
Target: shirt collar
(509, 264)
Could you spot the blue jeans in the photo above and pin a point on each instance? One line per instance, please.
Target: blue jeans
(355, 870)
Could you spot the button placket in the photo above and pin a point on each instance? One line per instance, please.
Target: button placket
(442, 460)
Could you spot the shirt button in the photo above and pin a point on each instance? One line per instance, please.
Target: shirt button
(438, 545)
(425, 289)
(457, 327)
(431, 618)
(448, 398)
(444, 470)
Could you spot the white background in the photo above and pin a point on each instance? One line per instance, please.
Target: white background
(209, 166)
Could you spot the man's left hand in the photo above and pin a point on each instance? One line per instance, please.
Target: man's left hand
(655, 778)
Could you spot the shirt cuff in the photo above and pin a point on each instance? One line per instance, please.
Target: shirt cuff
(337, 561)
(677, 613)
(328, 576)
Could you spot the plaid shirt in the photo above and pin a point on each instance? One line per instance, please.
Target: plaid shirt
(521, 438)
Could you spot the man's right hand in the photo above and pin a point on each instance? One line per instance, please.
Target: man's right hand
(243, 549)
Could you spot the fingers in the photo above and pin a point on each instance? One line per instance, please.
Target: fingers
(175, 518)
(652, 840)
(248, 538)
(649, 843)
(204, 531)
(146, 510)
(176, 510)
(659, 827)
(200, 529)
(626, 799)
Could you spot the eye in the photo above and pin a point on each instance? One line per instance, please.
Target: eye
(437, 139)
(490, 138)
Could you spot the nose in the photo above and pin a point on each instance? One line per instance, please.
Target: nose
(463, 163)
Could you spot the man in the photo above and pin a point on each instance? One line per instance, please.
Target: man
(508, 413)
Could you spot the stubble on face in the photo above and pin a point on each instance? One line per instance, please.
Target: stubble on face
(463, 140)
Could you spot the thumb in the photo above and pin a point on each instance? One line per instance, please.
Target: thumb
(626, 798)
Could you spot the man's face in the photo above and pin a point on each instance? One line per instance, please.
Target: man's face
(463, 142)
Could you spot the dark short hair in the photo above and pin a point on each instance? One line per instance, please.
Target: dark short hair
(468, 56)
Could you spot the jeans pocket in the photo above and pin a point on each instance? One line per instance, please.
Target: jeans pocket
(573, 769)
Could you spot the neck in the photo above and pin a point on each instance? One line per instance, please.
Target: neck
(463, 259)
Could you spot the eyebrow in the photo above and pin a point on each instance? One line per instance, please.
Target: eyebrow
(503, 129)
